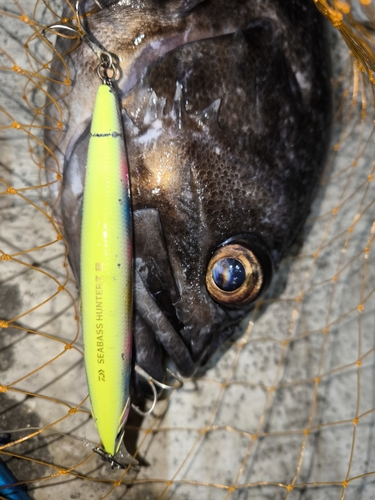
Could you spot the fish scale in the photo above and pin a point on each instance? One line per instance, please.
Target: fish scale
(106, 271)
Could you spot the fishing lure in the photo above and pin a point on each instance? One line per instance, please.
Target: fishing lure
(106, 280)
(106, 268)
(106, 277)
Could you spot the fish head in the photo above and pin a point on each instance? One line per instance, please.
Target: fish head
(226, 113)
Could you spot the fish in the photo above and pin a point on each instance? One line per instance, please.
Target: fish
(227, 111)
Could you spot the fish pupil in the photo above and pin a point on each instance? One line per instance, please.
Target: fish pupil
(228, 274)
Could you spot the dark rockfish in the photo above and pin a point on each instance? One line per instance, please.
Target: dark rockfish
(227, 112)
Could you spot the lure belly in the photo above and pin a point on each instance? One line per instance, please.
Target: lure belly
(106, 272)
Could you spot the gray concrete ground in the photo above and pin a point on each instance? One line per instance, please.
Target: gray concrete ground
(286, 410)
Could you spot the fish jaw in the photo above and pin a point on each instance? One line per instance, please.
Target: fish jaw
(107, 272)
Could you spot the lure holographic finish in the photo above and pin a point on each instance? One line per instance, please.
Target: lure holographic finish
(106, 272)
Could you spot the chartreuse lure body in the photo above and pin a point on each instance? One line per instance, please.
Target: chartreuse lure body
(106, 272)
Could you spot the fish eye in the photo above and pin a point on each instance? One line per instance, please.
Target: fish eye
(228, 274)
(235, 275)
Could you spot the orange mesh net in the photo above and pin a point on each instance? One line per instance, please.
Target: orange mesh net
(286, 410)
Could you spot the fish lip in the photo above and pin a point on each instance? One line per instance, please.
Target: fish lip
(152, 261)
(162, 328)
(154, 281)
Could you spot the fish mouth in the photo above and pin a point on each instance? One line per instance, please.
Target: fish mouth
(155, 335)
(158, 329)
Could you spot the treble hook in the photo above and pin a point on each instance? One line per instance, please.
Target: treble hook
(103, 55)
(152, 382)
(180, 382)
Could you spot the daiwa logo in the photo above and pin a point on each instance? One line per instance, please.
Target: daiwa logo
(101, 376)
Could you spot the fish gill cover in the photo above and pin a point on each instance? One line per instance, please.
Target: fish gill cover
(286, 409)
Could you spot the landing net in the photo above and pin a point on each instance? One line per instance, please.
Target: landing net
(286, 410)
